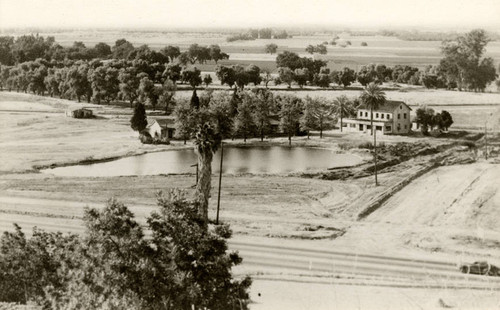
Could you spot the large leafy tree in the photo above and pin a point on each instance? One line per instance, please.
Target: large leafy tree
(216, 54)
(129, 84)
(183, 120)
(290, 108)
(368, 74)
(122, 49)
(192, 76)
(172, 52)
(286, 75)
(344, 77)
(148, 91)
(184, 264)
(271, 48)
(425, 118)
(308, 119)
(244, 124)
(263, 107)
(79, 84)
(166, 94)
(105, 83)
(226, 75)
(463, 63)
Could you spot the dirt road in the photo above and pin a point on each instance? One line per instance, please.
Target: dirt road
(453, 209)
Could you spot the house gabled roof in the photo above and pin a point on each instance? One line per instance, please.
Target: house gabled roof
(389, 106)
(163, 122)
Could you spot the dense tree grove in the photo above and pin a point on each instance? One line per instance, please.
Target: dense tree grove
(428, 119)
(103, 73)
(183, 264)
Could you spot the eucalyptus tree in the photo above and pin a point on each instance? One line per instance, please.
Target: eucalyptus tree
(129, 84)
(244, 124)
(290, 110)
(263, 107)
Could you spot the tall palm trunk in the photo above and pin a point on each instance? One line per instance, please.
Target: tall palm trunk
(204, 182)
(371, 120)
(261, 131)
(341, 113)
(375, 155)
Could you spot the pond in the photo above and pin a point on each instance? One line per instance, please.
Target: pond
(268, 160)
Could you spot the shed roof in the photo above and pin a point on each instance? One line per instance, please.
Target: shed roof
(389, 106)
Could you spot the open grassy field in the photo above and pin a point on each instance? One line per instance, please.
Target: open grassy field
(380, 49)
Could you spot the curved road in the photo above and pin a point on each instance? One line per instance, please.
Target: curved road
(302, 263)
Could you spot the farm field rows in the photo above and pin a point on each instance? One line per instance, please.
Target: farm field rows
(380, 49)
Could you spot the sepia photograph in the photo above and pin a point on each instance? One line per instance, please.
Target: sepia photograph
(249, 155)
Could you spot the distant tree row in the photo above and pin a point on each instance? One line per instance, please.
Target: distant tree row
(263, 33)
(32, 47)
(319, 49)
(303, 71)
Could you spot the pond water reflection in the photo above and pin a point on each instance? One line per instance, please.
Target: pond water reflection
(272, 159)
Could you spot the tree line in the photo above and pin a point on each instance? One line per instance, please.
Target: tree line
(258, 113)
(262, 33)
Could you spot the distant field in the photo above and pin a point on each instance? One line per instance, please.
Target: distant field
(387, 50)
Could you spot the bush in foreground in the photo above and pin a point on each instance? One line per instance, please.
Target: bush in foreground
(184, 264)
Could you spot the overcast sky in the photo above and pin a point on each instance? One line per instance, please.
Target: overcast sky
(244, 13)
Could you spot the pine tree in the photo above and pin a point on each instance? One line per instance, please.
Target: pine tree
(138, 122)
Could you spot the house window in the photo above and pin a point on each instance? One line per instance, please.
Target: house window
(387, 128)
(366, 114)
(376, 115)
(382, 115)
(400, 107)
(388, 116)
(360, 127)
(379, 128)
(399, 116)
(404, 115)
(360, 114)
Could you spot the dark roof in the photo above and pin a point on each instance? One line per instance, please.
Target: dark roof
(388, 106)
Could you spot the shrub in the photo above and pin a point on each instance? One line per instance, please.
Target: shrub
(184, 264)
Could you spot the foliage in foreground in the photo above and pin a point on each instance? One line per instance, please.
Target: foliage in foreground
(184, 264)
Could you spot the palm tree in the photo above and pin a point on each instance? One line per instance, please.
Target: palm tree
(373, 97)
(207, 140)
(343, 107)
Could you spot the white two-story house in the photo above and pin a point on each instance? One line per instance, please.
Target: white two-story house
(393, 117)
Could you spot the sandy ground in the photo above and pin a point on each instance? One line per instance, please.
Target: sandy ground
(268, 295)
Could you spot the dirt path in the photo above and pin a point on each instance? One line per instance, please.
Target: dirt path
(454, 209)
